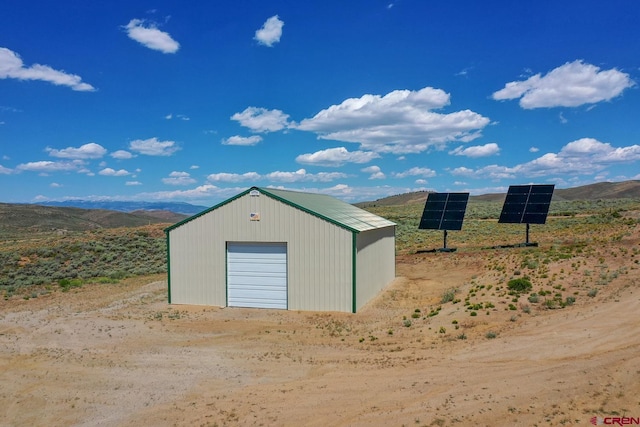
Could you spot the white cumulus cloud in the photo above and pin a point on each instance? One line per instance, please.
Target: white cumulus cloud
(399, 122)
(45, 166)
(302, 175)
(121, 155)
(270, 32)
(477, 151)
(153, 147)
(261, 119)
(179, 178)
(86, 151)
(570, 85)
(201, 194)
(278, 176)
(233, 177)
(12, 67)
(241, 140)
(113, 172)
(336, 157)
(584, 156)
(147, 34)
(416, 171)
(374, 172)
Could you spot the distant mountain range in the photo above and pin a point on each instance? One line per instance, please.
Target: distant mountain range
(80, 215)
(125, 206)
(600, 190)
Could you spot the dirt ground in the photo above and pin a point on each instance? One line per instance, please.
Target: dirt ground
(119, 355)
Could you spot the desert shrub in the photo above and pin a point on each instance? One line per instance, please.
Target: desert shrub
(521, 285)
(448, 295)
(434, 312)
(529, 263)
(67, 284)
(100, 253)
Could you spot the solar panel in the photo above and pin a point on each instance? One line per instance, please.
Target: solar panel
(444, 211)
(527, 204)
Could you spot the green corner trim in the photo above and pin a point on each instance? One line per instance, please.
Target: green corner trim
(168, 268)
(226, 274)
(354, 257)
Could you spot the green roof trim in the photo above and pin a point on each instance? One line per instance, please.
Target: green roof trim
(323, 206)
(206, 211)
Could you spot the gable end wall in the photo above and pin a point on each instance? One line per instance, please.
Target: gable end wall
(319, 253)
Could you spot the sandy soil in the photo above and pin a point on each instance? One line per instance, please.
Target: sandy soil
(119, 355)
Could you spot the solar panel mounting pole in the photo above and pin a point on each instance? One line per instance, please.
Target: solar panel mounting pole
(526, 240)
(444, 246)
(443, 211)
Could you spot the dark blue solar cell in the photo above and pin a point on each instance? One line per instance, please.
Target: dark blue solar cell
(444, 211)
(527, 204)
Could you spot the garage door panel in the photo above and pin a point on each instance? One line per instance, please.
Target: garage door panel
(271, 259)
(263, 280)
(252, 302)
(247, 294)
(257, 275)
(245, 269)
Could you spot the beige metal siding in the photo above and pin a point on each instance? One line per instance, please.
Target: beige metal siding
(375, 266)
(194, 252)
(319, 253)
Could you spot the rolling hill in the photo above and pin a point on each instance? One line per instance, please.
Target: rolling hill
(16, 218)
(600, 190)
(128, 206)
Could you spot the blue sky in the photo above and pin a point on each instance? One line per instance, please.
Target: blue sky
(360, 99)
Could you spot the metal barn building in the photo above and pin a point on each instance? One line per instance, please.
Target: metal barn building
(270, 248)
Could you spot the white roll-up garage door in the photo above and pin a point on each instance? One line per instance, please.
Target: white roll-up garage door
(257, 275)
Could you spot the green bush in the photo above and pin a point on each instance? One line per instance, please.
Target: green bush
(520, 285)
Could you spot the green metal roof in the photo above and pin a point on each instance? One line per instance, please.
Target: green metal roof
(320, 205)
(331, 209)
